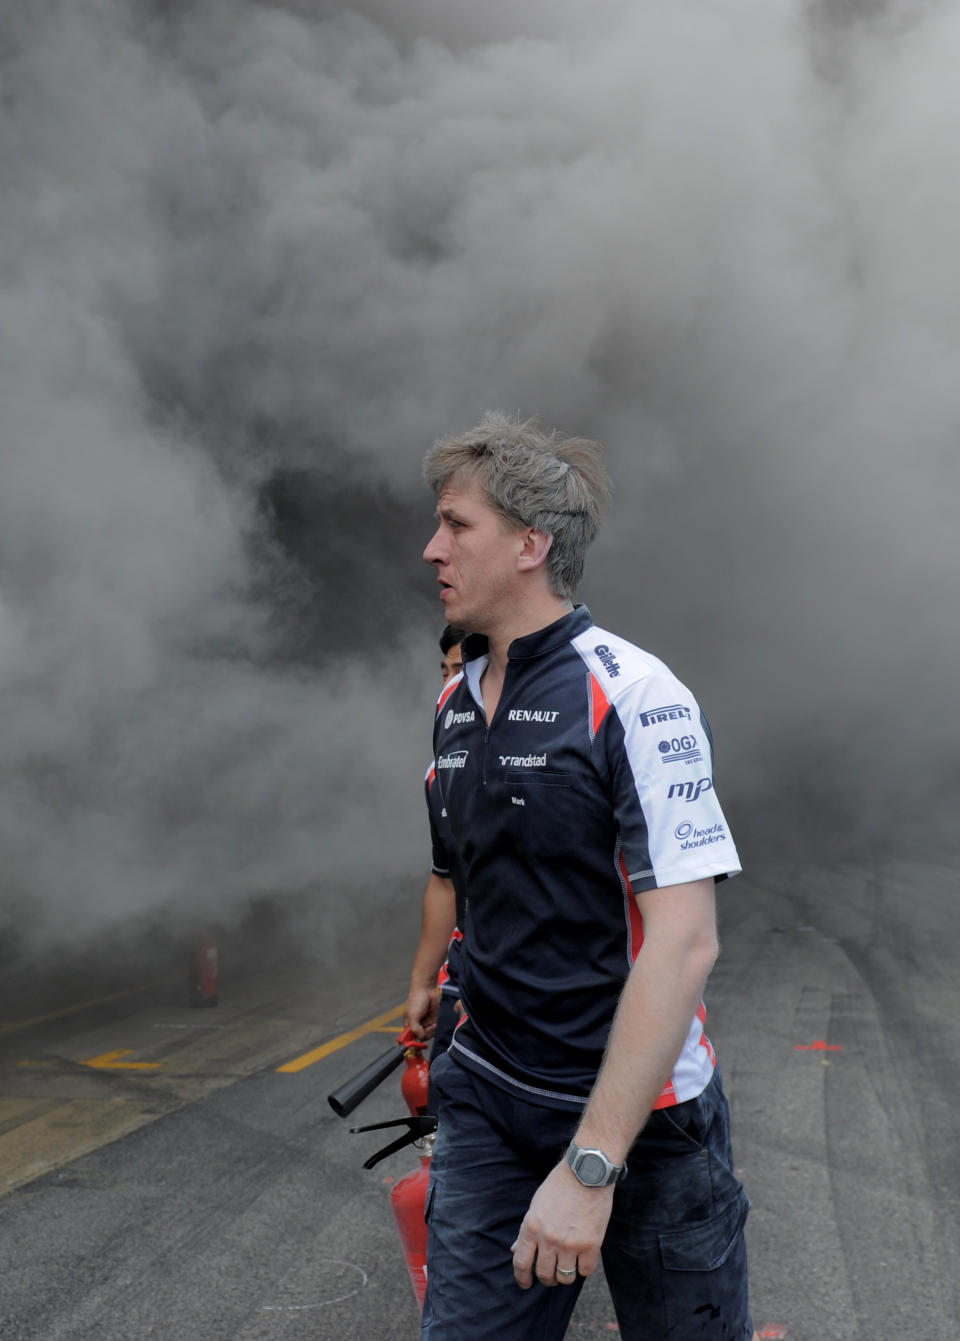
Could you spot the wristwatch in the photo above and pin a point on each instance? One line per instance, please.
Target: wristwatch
(592, 1167)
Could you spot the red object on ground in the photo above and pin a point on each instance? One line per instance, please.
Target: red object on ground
(407, 1201)
(204, 972)
(818, 1045)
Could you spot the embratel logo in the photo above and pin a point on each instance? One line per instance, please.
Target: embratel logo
(689, 836)
(689, 790)
(610, 663)
(455, 759)
(680, 750)
(457, 718)
(672, 713)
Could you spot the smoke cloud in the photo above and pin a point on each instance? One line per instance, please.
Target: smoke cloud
(256, 256)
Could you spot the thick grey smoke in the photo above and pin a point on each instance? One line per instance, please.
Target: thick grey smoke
(256, 256)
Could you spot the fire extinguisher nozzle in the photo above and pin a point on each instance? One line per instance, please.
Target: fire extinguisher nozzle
(345, 1099)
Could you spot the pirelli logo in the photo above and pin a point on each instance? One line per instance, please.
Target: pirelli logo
(671, 713)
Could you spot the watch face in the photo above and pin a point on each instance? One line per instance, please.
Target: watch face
(591, 1169)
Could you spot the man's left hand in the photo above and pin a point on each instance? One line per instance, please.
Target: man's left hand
(562, 1231)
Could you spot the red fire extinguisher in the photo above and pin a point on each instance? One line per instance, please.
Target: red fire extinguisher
(204, 972)
(408, 1199)
(408, 1196)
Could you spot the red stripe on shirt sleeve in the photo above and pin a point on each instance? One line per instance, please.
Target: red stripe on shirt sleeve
(447, 690)
(634, 913)
(599, 703)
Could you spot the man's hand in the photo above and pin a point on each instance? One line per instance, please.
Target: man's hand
(562, 1231)
(420, 1012)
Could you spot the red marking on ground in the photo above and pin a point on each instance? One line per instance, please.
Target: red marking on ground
(818, 1045)
(774, 1331)
(613, 1326)
(391, 1179)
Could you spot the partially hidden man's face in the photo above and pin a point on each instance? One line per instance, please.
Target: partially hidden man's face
(475, 555)
(452, 663)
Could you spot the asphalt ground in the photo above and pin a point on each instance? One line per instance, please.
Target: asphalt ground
(161, 1177)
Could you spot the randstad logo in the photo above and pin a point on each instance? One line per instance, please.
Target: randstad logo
(456, 759)
(457, 718)
(610, 663)
(689, 791)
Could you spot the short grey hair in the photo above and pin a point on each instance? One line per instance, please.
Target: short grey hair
(556, 485)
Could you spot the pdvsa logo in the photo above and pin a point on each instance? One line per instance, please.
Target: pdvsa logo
(610, 663)
(455, 759)
(458, 718)
(689, 791)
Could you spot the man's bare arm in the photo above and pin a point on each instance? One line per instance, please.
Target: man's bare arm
(566, 1221)
(436, 927)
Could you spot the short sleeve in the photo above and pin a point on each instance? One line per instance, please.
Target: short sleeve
(659, 752)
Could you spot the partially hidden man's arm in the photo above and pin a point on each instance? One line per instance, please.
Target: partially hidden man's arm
(437, 923)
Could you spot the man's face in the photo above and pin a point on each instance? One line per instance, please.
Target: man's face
(475, 554)
(452, 663)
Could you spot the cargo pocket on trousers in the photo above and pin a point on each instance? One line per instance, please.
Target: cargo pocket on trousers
(705, 1246)
(704, 1279)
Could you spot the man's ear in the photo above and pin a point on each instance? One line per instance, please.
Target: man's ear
(536, 547)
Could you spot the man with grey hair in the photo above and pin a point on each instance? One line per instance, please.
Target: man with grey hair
(580, 1106)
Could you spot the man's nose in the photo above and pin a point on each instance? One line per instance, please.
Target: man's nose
(433, 551)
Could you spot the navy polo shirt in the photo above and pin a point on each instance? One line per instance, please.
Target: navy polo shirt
(592, 783)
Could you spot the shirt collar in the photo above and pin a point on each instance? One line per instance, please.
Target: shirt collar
(535, 644)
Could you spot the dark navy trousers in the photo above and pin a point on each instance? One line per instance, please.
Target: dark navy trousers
(674, 1255)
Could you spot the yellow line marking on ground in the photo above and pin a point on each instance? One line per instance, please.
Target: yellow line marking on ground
(317, 1054)
(107, 1061)
(8, 1026)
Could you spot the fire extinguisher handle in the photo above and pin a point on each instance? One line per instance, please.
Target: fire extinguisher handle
(417, 1127)
(407, 1040)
